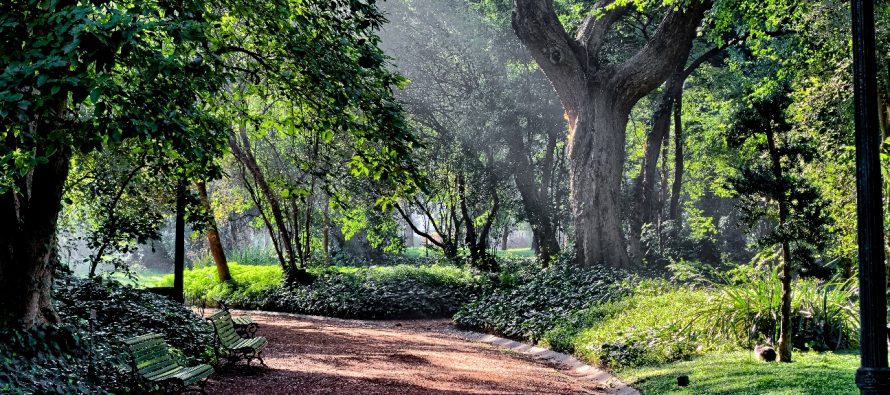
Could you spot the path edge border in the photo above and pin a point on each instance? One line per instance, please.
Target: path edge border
(580, 370)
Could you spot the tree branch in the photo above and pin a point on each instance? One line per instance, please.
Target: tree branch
(593, 29)
(655, 62)
(558, 55)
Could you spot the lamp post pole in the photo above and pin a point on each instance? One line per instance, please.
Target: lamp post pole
(873, 377)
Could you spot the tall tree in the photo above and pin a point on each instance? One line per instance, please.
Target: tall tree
(597, 98)
(772, 188)
(78, 76)
(477, 90)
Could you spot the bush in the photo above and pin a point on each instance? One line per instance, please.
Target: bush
(652, 326)
(380, 292)
(73, 358)
(529, 304)
(400, 291)
(745, 309)
(249, 284)
(45, 360)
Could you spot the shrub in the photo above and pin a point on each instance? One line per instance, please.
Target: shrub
(745, 309)
(380, 292)
(399, 291)
(529, 304)
(123, 312)
(45, 360)
(652, 326)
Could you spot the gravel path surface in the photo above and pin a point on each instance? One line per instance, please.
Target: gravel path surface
(308, 355)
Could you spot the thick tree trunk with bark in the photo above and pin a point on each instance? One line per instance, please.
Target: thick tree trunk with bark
(213, 239)
(598, 100)
(596, 158)
(27, 244)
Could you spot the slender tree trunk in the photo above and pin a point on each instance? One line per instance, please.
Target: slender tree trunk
(677, 187)
(213, 239)
(246, 157)
(645, 202)
(505, 236)
(179, 248)
(535, 201)
(326, 231)
(785, 330)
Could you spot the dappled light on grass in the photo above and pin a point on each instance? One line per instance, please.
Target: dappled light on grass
(740, 373)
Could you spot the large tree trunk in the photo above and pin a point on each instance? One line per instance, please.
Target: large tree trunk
(27, 244)
(596, 160)
(597, 100)
(213, 239)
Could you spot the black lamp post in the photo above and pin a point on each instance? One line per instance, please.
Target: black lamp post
(873, 377)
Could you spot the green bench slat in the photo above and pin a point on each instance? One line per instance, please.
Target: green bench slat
(232, 343)
(152, 359)
(254, 343)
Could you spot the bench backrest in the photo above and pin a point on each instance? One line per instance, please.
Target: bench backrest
(224, 327)
(150, 354)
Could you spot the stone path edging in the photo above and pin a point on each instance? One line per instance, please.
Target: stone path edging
(578, 369)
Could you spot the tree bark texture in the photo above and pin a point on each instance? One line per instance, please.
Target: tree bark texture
(535, 196)
(179, 245)
(213, 239)
(679, 162)
(597, 100)
(27, 244)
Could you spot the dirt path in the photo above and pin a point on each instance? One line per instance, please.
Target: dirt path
(325, 356)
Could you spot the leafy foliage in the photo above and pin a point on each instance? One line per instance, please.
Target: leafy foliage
(531, 304)
(381, 292)
(249, 285)
(45, 360)
(745, 309)
(652, 326)
(399, 291)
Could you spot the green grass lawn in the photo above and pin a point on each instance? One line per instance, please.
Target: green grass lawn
(739, 373)
(516, 253)
(146, 278)
(510, 253)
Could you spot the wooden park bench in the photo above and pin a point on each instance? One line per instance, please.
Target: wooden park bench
(244, 325)
(151, 361)
(230, 345)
